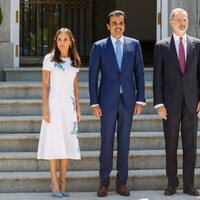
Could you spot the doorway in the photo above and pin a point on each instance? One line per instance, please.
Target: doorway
(40, 19)
(141, 24)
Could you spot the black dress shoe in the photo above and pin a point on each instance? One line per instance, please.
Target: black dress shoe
(191, 191)
(170, 191)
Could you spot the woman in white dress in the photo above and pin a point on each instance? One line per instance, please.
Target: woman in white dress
(61, 110)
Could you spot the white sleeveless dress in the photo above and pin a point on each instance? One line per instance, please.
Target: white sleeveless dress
(59, 139)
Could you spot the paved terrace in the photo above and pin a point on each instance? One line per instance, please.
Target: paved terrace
(135, 195)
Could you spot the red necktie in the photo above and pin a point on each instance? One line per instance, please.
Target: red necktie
(181, 53)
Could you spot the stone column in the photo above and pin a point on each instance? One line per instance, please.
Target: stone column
(9, 35)
(193, 8)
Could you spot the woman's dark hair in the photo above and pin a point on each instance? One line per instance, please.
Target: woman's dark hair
(72, 52)
(115, 13)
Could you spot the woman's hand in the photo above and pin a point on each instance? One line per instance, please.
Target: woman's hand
(46, 116)
(78, 114)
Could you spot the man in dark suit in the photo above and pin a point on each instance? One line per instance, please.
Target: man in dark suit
(120, 94)
(176, 89)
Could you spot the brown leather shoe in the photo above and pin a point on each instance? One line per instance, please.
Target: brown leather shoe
(102, 191)
(122, 190)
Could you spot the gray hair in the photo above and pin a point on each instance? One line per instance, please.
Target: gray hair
(175, 11)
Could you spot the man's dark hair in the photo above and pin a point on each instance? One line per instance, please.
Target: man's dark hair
(115, 13)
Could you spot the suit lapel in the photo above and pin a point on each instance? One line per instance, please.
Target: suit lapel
(173, 52)
(190, 52)
(126, 48)
(110, 54)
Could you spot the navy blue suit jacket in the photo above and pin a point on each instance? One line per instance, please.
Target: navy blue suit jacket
(131, 76)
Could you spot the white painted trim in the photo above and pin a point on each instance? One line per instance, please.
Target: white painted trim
(165, 19)
(14, 29)
(162, 29)
(158, 26)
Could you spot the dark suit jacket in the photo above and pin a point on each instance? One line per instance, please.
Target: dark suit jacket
(170, 86)
(131, 76)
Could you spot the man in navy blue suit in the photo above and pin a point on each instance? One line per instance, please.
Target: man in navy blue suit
(119, 95)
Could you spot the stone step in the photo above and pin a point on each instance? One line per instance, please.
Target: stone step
(32, 90)
(22, 107)
(89, 123)
(34, 74)
(88, 141)
(28, 142)
(138, 159)
(83, 181)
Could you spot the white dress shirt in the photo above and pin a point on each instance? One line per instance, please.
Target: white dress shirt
(184, 41)
(114, 42)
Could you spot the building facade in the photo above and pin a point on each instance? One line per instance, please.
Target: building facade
(28, 26)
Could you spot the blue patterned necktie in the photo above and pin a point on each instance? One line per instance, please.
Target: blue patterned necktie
(119, 53)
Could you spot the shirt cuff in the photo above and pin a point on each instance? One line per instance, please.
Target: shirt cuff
(94, 105)
(140, 102)
(158, 105)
